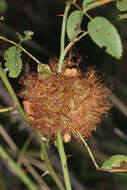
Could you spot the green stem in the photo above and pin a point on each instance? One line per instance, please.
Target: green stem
(6, 109)
(49, 166)
(75, 40)
(62, 54)
(11, 92)
(60, 148)
(69, 46)
(17, 169)
(64, 25)
(61, 60)
(88, 149)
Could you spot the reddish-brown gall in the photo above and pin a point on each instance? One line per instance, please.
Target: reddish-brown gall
(67, 102)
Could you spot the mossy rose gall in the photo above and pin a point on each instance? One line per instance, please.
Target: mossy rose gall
(70, 101)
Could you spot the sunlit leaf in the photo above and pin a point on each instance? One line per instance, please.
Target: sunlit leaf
(116, 163)
(13, 61)
(122, 5)
(73, 24)
(27, 35)
(105, 35)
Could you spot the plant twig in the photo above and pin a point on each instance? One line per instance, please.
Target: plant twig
(60, 146)
(11, 92)
(17, 169)
(116, 101)
(14, 151)
(62, 54)
(36, 176)
(92, 5)
(71, 44)
(19, 46)
(38, 164)
(64, 25)
(49, 166)
(88, 149)
(64, 51)
(8, 140)
(63, 158)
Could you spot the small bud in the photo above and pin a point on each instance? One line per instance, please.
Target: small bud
(67, 138)
(70, 73)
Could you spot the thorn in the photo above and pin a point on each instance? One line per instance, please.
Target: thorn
(60, 15)
(14, 112)
(43, 138)
(45, 173)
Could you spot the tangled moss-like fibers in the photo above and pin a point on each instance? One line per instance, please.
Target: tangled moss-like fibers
(68, 104)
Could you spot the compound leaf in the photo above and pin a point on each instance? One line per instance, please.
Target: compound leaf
(73, 24)
(104, 34)
(13, 61)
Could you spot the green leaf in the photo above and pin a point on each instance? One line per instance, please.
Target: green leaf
(3, 6)
(104, 34)
(116, 163)
(122, 5)
(73, 24)
(27, 35)
(13, 61)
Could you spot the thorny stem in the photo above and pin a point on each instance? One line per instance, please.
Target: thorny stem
(62, 54)
(63, 161)
(49, 166)
(64, 25)
(11, 92)
(4, 155)
(14, 151)
(88, 149)
(19, 46)
(59, 140)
